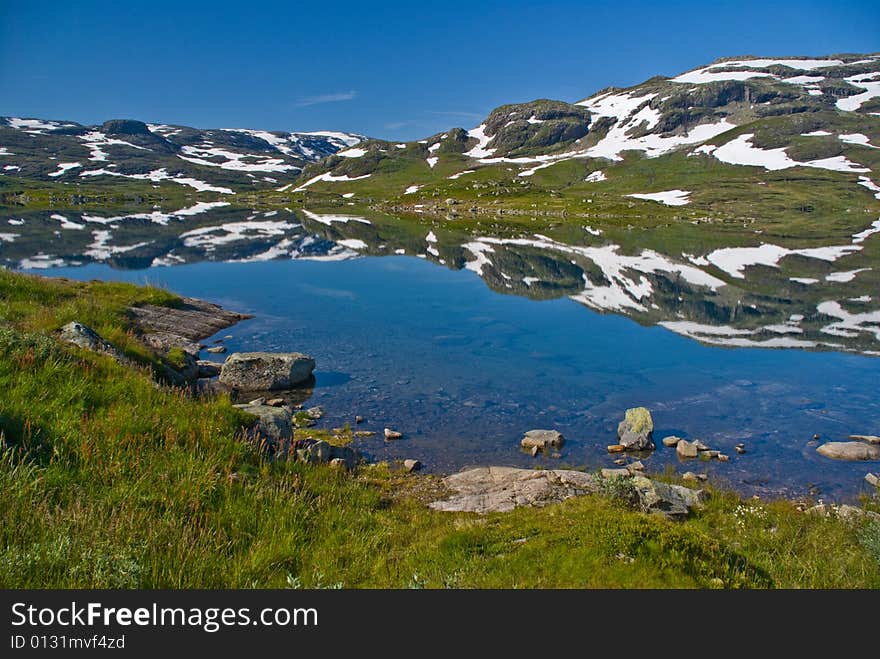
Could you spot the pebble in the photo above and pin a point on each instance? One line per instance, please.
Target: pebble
(392, 434)
(359, 419)
(722, 457)
(671, 441)
(412, 465)
(616, 448)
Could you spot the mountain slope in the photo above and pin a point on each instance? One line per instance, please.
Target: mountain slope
(220, 161)
(773, 114)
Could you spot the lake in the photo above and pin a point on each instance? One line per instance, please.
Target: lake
(464, 345)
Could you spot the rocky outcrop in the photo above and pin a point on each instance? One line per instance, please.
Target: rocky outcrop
(636, 431)
(542, 439)
(850, 451)
(266, 371)
(182, 326)
(501, 489)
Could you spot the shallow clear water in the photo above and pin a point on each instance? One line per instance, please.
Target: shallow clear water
(463, 371)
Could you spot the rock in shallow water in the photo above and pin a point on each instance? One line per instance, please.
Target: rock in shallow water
(636, 431)
(264, 371)
(850, 451)
(542, 439)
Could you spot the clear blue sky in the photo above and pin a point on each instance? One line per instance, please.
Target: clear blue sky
(398, 70)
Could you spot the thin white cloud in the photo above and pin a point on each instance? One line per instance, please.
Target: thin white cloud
(326, 98)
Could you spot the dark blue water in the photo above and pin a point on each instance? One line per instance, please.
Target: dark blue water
(464, 371)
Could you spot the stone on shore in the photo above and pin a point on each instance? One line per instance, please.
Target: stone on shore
(263, 371)
(208, 369)
(412, 465)
(85, 337)
(636, 431)
(671, 441)
(616, 473)
(273, 427)
(501, 489)
(674, 501)
(872, 479)
(542, 439)
(850, 451)
(217, 350)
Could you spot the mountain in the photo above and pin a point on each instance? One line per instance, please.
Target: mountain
(665, 142)
(219, 161)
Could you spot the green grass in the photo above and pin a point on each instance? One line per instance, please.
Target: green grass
(110, 481)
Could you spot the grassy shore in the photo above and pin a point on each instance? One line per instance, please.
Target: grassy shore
(109, 480)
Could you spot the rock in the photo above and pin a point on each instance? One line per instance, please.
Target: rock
(700, 445)
(616, 448)
(262, 371)
(636, 431)
(636, 466)
(317, 451)
(412, 465)
(853, 514)
(872, 479)
(85, 337)
(338, 463)
(740, 449)
(501, 489)
(616, 473)
(216, 350)
(871, 439)
(257, 401)
(392, 434)
(364, 433)
(686, 449)
(542, 439)
(315, 412)
(816, 436)
(722, 457)
(671, 441)
(689, 476)
(275, 402)
(359, 419)
(272, 430)
(671, 501)
(620, 461)
(208, 369)
(708, 455)
(534, 451)
(849, 451)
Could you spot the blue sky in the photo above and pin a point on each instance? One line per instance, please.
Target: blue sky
(398, 70)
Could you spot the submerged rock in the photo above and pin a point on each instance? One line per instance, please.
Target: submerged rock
(636, 431)
(266, 371)
(850, 451)
(542, 439)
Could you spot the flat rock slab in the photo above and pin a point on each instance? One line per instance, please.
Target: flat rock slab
(542, 439)
(850, 451)
(182, 327)
(501, 489)
(266, 371)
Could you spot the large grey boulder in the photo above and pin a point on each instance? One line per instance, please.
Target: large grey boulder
(542, 439)
(672, 501)
(636, 431)
(501, 489)
(263, 371)
(850, 451)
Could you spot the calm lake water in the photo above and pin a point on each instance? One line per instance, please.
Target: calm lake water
(463, 371)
